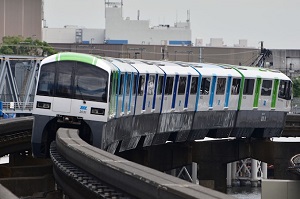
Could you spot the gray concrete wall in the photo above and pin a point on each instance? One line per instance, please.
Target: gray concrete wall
(279, 189)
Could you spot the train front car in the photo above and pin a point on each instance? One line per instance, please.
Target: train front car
(72, 92)
(265, 100)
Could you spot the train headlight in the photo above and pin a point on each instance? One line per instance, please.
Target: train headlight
(97, 111)
(43, 105)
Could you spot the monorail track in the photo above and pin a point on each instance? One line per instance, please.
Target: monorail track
(84, 171)
(15, 135)
(129, 177)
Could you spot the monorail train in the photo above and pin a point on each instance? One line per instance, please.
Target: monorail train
(118, 103)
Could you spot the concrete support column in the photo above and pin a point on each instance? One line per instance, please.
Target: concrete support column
(233, 170)
(254, 180)
(194, 172)
(264, 168)
(212, 174)
(234, 180)
(229, 175)
(173, 172)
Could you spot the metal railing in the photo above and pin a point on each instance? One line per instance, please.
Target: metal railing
(17, 107)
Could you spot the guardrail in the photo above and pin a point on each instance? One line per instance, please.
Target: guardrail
(134, 179)
(17, 107)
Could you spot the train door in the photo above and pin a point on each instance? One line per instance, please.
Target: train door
(132, 94)
(140, 94)
(234, 93)
(182, 93)
(127, 94)
(157, 98)
(248, 94)
(284, 95)
(205, 99)
(265, 92)
(120, 95)
(113, 94)
(219, 98)
(149, 94)
(194, 94)
(167, 96)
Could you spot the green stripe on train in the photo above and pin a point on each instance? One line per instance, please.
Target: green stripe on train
(275, 93)
(256, 94)
(241, 91)
(69, 56)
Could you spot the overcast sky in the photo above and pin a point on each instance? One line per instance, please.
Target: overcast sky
(276, 22)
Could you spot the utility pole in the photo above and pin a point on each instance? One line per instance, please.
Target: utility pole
(262, 53)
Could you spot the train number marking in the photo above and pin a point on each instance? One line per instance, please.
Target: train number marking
(83, 109)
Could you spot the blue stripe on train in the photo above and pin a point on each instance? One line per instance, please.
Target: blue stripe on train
(212, 92)
(155, 88)
(124, 91)
(163, 92)
(198, 88)
(175, 92)
(145, 91)
(187, 92)
(228, 91)
(130, 93)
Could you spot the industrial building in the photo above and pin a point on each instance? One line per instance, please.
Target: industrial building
(21, 18)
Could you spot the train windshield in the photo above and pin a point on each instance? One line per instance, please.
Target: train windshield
(76, 80)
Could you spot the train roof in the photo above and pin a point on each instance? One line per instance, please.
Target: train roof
(213, 69)
(145, 66)
(257, 72)
(176, 68)
(124, 66)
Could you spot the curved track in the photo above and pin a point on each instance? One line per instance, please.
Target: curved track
(134, 179)
(15, 135)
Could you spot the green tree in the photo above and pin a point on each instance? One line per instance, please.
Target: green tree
(296, 87)
(12, 45)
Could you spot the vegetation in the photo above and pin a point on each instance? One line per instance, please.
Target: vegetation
(296, 87)
(12, 45)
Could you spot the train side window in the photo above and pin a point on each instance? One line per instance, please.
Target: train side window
(194, 86)
(128, 81)
(134, 85)
(151, 84)
(169, 86)
(235, 88)
(121, 85)
(266, 88)
(284, 90)
(160, 85)
(248, 87)
(205, 85)
(182, 85)
(221, 86)
(289, 90)
(46, 80)
(141, 85)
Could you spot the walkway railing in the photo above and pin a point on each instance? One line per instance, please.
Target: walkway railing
(17, 107)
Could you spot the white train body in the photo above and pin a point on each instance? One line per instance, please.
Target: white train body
(121, 102)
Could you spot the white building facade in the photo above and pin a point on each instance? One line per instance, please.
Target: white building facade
(122, 31)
